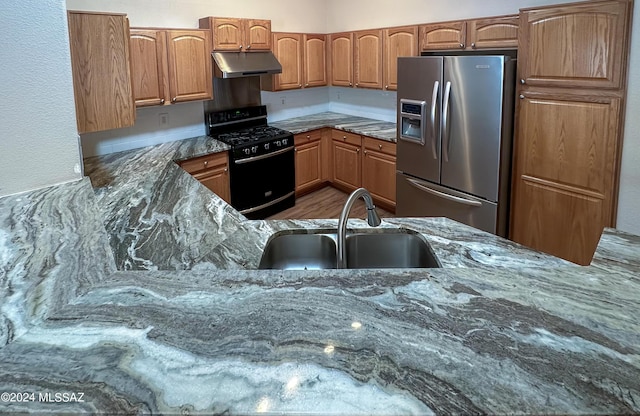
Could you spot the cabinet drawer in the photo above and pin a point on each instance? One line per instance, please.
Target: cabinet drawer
(377, 145)
(346, 137)
(310, 136)
(204, 162)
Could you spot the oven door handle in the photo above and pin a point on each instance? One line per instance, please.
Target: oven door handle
(268, 204)
(268, 155)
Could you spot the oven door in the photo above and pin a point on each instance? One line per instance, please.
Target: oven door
(263, 185)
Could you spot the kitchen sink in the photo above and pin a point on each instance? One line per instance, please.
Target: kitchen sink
(309, 250)
(299, 252)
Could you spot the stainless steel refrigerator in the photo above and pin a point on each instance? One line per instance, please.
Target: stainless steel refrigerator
(455, 123)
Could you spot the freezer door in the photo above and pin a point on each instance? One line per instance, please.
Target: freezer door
(472, 124)
(417, 198)
(419, 86)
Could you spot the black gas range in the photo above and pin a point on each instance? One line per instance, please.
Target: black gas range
(261, 160)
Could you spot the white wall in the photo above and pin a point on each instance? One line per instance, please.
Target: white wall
(39, 142)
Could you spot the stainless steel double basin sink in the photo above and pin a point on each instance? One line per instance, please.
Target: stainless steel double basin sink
(313, 250)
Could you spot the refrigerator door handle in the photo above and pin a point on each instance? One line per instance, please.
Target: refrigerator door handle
(434, 103)
(445, 120)
(426, 188)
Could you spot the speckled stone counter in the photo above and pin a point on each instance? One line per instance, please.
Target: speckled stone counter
(368, 127)
(139, 296)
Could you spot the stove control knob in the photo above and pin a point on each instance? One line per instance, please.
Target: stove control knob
(285, 141)
(278, 143)
(247, 151)
(266, 146)
(254, 149)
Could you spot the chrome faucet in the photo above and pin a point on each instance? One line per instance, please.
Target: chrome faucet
(372, 219)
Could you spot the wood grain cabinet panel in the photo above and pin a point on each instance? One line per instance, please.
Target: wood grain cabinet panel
(287, 48)
(101, 71)
(447, 35)
(493, 33)
(212, 171)
(309, 164)
(237, 34)
(379, 171)
(315, 60)
(564, 181)
(189, 65)
(397, 41)
(341, 64)
(347, 164)
(368, 58)
(149, 67)
(580, 45)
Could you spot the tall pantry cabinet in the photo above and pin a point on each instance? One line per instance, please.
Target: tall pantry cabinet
(572, 80)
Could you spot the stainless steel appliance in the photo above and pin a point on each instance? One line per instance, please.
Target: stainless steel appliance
(455, 117)
(261, 160)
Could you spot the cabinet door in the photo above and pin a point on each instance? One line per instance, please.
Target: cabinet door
(342, 59)
(308, 162)
(564, 177)
(227, 33)
(493, 33)
(189, 65)
(149, 69)
(368, 59)
(101, 71)
(287, 47)
(315, 60)
(379, 176)
(345, 157)
(582, 45)
(451, 35)
(398, 41)
(217, 181)
(257, 35)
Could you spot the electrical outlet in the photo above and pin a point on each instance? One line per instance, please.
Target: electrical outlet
(338, 96)
(164, 119)
(283, 100)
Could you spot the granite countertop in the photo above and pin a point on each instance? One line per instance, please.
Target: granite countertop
(383, 130)
(137, 293)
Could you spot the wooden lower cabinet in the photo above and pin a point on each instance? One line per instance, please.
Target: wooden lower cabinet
(345, 154)
(379, 171)
(309, 162)
(212, 171)
(564, 178)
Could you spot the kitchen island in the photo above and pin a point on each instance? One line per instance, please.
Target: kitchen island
(137, 291)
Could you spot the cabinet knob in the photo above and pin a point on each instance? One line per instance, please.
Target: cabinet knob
(380, 146)
(365, 152)
(206, 162)
(174, 99)
(522, 81)
(300, 85)
(344, 137)
(306, 85)
(248, 47)
(462, 46)
(473, 45)
(357, 84)
(295, 149)
(350, 84)
(240, 46)
(357, 150)
(162, 101)
(386, 87)
(308, 137)
(521, 97)
(226, 169)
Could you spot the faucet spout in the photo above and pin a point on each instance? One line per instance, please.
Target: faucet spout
(372, 219)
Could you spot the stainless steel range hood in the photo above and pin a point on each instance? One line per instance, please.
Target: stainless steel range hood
(244, 64)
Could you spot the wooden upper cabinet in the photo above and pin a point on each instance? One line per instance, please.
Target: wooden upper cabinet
(101, 71)
(235, 34)
(315, 60)
(397, 41)
(578, 45)
(367, 61)
(149, 66)
(342, 59)
(189, 61)
(287, 47)
(257, 35)
(493, 33)
(447, 35)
